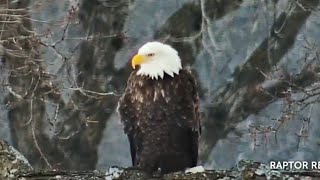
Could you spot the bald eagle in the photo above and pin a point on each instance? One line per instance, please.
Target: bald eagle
(160, 111)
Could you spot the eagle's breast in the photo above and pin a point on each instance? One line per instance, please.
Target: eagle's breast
(160, 119)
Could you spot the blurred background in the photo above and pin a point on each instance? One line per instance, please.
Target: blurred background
(64, 65)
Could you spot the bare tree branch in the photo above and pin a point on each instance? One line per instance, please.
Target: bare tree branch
(242, 97)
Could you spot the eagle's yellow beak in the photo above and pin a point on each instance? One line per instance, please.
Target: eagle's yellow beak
(137, 60)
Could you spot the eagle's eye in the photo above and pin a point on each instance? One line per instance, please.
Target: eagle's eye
(150, 54)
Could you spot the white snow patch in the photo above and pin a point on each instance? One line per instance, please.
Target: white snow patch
(113, 173)
(58, 177)
(260, 172)
(12, 171)
(197, 169)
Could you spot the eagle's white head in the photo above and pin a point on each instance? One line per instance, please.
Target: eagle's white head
(155, 59)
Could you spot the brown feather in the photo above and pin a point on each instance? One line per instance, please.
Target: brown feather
(162, 121)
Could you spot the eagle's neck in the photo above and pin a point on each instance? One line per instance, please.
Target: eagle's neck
(157, 68)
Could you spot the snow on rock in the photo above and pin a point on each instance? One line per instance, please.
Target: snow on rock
(197, 169)
(11, 161)
(113, 173)
(19, 156)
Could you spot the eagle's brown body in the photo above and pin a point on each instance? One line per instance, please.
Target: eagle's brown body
(161, 119)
